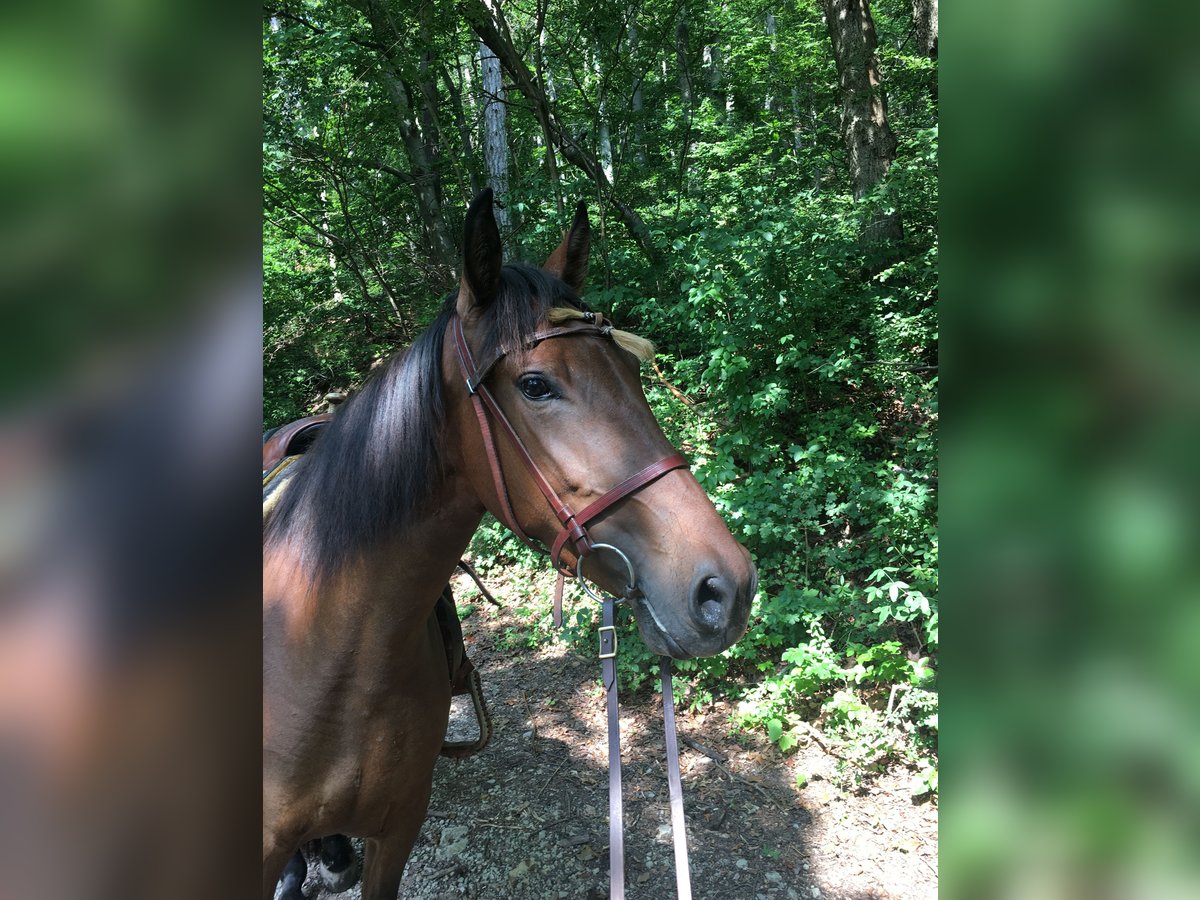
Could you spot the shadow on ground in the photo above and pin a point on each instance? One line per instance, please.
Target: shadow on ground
(528, 817)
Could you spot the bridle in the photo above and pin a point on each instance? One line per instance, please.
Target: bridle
(574, 524)
(574, 529)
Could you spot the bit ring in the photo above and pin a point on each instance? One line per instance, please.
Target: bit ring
(628, 566)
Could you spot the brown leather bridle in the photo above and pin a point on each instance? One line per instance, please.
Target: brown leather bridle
(574, 529)
(574, 524)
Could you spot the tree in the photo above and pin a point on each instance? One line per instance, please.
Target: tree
(495, 134)
(925, 23)
(869, 140)
(420, 145)
(493, 31)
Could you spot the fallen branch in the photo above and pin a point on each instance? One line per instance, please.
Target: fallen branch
(487, 595)
(675, 392)
(714, 755)
(456, 869)
(758, 787)
(820, 741)
(550, 779)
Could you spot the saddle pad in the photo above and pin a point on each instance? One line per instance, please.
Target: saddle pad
(274, 483)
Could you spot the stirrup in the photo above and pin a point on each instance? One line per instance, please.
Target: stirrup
(463, 749)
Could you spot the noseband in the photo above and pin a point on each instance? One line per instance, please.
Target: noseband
(574, 524)
(574, 529)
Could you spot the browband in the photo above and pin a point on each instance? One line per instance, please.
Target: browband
(591, 323)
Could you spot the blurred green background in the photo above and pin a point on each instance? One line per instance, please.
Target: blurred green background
(129, 145)
(1071, 721)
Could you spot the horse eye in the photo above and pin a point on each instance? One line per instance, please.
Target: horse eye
(535, 387)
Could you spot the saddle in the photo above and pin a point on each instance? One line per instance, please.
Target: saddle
(291, 439)
(284, 445)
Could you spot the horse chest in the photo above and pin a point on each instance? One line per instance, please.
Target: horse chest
(369, 725)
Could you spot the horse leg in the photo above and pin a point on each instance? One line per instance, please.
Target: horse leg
(278, 860)
(339, 866)
(387, 853)
(293, 877)
(384, 861)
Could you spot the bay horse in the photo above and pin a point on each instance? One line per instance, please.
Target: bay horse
(379, 510)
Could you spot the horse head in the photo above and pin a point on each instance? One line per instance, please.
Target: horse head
(572, 414)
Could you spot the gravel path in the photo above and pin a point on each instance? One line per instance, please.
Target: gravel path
(527, 818)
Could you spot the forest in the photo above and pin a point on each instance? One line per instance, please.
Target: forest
(762, 184)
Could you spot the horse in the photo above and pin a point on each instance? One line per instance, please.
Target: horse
(381, 507)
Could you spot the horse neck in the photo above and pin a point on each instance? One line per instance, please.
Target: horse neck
(386, 597)
(419, 560)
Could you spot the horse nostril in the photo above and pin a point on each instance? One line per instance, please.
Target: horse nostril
(709, 600)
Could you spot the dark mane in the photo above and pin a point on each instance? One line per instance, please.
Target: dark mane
(369, 473)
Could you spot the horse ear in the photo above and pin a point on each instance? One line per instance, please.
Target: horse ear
(570, 261)
(482, 258)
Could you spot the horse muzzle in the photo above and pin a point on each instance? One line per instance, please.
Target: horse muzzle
(714, 617)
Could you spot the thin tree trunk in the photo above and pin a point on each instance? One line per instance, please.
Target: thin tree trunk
(639, 138)
(431, 128)
(925, 20)
(712, 65)
(681, 58)
(772, 65)
(488, 28)
(327, 237)
(545, 81)
(494, 132)
(868, 136)
(427, 183)
(797, 139)
(605, 139)
(685, 97)
(464, 130)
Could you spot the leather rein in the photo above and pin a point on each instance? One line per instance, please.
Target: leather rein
(574, 529)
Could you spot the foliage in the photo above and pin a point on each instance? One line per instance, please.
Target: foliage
(807, 362)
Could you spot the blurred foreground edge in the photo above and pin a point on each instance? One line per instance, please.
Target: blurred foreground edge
(129, 628)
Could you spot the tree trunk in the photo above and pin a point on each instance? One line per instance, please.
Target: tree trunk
(639, 138)
(797, 139)
(712, 64)
(464, 131)
(681, 58)
(495, 132)
(925, 20)
(431, 129)
(427, 182)
(868, 137)
(489, 29)
(605, 139)
(545, 81)
(772, 65)
(718, 87)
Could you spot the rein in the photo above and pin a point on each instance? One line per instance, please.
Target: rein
(574, 529)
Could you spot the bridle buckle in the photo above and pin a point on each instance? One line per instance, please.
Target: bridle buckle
(608, 633)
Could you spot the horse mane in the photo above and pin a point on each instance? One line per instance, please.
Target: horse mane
(370, 471)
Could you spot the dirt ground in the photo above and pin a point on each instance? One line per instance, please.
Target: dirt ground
(527, 817)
